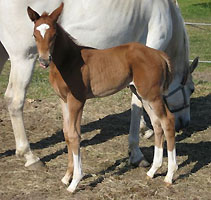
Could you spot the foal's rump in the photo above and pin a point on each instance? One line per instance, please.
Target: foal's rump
(152, 71)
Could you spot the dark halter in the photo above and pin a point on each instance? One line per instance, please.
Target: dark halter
(185, 103)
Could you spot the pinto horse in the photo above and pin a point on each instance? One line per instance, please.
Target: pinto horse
(78, 73)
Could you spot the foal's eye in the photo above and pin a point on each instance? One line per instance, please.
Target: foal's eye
(34, 36)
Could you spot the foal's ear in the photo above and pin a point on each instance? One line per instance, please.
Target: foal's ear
(33, 15)
(56, 13)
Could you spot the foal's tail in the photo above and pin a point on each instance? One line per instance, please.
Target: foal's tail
(168, 72)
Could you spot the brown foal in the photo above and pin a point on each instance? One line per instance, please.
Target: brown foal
(78, 73)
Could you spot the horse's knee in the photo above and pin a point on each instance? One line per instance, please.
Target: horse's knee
(15, 105)
(74, 142)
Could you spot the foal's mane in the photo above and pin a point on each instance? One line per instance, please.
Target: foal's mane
(70, 36)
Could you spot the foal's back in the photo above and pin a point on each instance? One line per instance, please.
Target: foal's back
(114, 68)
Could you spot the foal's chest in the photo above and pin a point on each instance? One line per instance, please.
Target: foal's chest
(58, 83)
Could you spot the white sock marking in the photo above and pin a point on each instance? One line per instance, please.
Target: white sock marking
(172, 166)
(157, 161)
(42, 28)
(77, 173)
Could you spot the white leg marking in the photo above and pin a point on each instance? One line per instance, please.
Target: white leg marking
(77, 172)
(157, 161)
(172, 166)
(66, 178)
(43, 28)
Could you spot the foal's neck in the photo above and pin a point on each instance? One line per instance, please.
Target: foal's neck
(65, 51)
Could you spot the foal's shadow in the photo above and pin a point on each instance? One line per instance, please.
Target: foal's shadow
(200, 117)
(118, 124)
(110, 127)
(197, 152)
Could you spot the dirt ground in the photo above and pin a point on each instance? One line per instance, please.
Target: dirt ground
(104, 148)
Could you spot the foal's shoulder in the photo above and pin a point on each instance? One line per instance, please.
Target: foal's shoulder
(87, 53)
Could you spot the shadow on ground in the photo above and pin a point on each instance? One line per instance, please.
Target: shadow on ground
(118, 124)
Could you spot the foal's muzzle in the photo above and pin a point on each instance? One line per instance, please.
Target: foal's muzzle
(45, 62)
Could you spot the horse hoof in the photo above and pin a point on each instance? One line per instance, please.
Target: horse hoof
(168, 181)
(149, 178)
(148, 134)
(140, 163)
(39, 166)
(168, 184)
(65, 180)
(144, 163)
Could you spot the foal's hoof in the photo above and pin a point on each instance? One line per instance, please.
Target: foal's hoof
(168, 184)
(168, 181)
(39, 166)
(149, 178)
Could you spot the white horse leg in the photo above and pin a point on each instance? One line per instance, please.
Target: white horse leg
(3, 56)
(145, 131)
(158, 37)
(20, 75)
(136, 156)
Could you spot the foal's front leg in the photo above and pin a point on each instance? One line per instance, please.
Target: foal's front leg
(73, 140)
(66, 119)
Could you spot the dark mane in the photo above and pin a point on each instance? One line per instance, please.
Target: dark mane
(70, 36)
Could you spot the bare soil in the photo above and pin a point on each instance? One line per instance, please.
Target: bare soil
(104, 148)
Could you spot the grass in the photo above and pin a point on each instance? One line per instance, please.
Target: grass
(196, 10)
(39, 87)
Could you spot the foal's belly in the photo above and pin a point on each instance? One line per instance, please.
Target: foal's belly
(109, 88)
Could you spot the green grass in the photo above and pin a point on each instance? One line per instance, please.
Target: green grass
(39, 87)
(196, 10)
(200, 42)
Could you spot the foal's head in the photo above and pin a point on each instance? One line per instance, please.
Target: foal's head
(45, 33)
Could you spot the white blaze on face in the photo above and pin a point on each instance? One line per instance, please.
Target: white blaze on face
(42, 28)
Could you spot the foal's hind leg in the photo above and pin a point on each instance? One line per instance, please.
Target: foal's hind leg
(167, 124)
(158, 149)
